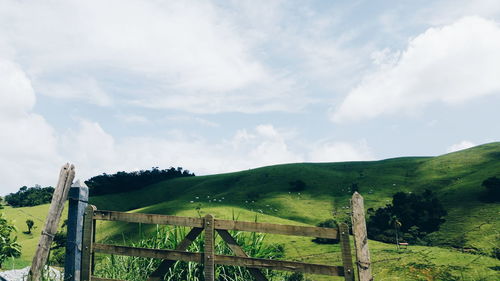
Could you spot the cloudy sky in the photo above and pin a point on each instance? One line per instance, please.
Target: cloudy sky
(219, 86)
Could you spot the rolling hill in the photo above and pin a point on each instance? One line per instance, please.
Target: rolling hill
(267, 193)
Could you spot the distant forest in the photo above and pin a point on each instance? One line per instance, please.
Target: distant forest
(30, 196)
(128, 181)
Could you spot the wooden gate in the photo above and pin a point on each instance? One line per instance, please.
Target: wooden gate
(209, 259)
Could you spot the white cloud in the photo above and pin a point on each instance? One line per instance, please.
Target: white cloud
(188, 55)
(28, 142)
(334, 151)
(459, 146)
(451, 64)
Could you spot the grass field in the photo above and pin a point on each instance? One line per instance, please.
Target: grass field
(456, 179)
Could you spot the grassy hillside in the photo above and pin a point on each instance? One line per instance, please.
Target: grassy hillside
(456, 179)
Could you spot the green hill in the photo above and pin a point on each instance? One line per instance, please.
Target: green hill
(456, 179)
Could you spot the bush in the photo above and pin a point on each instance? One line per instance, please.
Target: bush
(8, 242)
(297, 186)
(331, 223)
(412, 215)
(492, 192)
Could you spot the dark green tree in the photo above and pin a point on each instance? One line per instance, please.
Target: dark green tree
(417, 215)
(30, 223)
(492, 186)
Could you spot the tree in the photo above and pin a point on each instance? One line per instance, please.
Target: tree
(492, 186)
(30, 223)
(8, 243)
(297, 186)
(411, 216)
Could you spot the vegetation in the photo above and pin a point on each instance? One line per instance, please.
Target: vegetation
(30, 224)
(31, 196)
(492, 186)
(412, 215)
(330, 223)
(464, 245)
(128, 181)
(134, 268)
(9, 247)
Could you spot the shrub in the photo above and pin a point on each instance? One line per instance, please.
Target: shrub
(331, 223)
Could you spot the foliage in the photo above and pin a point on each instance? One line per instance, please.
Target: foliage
(30, 223)
(135, 268)
(331, 223)
(128, 181)
(8, 243)
(31, 196)
(492, 193)
(414, 215)
(297, 186)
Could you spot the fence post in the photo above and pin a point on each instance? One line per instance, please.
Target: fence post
(209, 248)
(345, 248)
(87, 243)
(78, 200)
(66, 177)
(360, 238)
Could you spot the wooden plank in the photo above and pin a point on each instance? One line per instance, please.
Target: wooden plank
(220, 259)
(183, 246)
(321, 232)
(209, 249)
(147, 253)
(95, 278)
(148, 218)
(280, 265)
(87, 243)
(233, 245)
(66, 176)
(361, 238)
(345, 247)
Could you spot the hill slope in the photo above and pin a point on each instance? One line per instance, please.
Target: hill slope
(456, 178)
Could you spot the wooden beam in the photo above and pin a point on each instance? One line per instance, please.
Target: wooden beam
(95, 278)
(345, 247)
(66, 176)
(147, 253)
(233, 245)
(148, 218)
(220, 259)
(183, 246)
(209, 246)
(361, 238)
(280, 265)
(311, 231)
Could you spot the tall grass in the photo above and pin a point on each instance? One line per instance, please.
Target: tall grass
(165, 237)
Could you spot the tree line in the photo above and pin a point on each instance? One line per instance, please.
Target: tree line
(129, 181)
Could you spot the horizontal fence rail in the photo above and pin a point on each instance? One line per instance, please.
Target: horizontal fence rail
(211, 226)
(271, 228)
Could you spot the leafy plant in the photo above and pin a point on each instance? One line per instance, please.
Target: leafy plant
(8, 243)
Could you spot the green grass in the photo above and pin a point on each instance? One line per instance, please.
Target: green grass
(456, 178)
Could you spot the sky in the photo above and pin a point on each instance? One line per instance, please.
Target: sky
(222, 86)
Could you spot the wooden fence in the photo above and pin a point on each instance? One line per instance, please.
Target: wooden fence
(209, 259)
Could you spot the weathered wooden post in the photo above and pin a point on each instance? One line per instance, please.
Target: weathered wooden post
(78, 201)
(361, 238)
(59, 197)
(209, 255)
